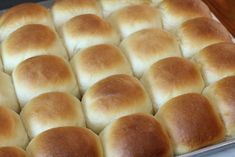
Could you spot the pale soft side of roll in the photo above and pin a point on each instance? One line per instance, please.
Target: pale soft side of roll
(133, 18)
(66, 142)
(148, 46)
(41, 74)
(12, 131)
(171, 77)
(64, 10)
(176, 12)
(136, 135)
(12, 152)
(7, 93)
(97, 62)
(29, 41)
(51, 110)
(87, 30)
(192, 122)
(23, 14)
(109, 6)
(216, 61)
(114, 97)
(198, 33)
(222, 94)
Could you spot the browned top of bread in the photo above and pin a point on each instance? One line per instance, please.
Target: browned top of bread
(219, 58)
(12, 152)
(174, 72)
(98, 57)
(138, 135)
(186, 8)
(191, 121)
(69, 141)
(47, 69)
(87, 24)
(36, 34)
(204, 29)
(62, 5)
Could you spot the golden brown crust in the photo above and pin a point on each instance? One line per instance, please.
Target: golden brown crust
(51, 106)
(116, 92)
(37, 35)
(222, 94)
(138, 135)
(191, 122)
(186, 8)
(218, 59)
(69, 141)
(87, 24)
(148, 43)
(100, 57)
(21, 11)
(7, 121)
(12, 152)
(204, 29)
(134, 14)
(47, 69)
(174, 72)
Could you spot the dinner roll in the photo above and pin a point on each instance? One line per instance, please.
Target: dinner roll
(23, 14)
(114, 97)
(217, 61)
(50, 110)
(66, 142)
(109, 6)
(175, 12)
(41, 74)
(87, 30)
(12, 132)
(134, 18)
(222, 94)
(64, 10)
(28, 41)
(7, 93)
(137, 135)
(12, 152)
(192, 122)
(200, 32)
(97, 62)
(147, 46)
(171, 77)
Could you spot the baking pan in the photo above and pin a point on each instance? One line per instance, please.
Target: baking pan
(209, 150)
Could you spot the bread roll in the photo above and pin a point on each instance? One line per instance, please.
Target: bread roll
(137, 135)
(64, 10)
(192, 122)
(12, 152)
(12, 132)
(7, 93)
(67, 142)
(114, 97)
(175, 12)
(222, 94)
(171, 77)
(134, 18)
(216, 61)
(23, 14)
(147, 46)
(109, 6)
(50, 110)
(87, 30)
(97, 62)
(200, 32)
(28, 41)
(41, 74)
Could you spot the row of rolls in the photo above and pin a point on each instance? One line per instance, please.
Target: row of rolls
(129, 78)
